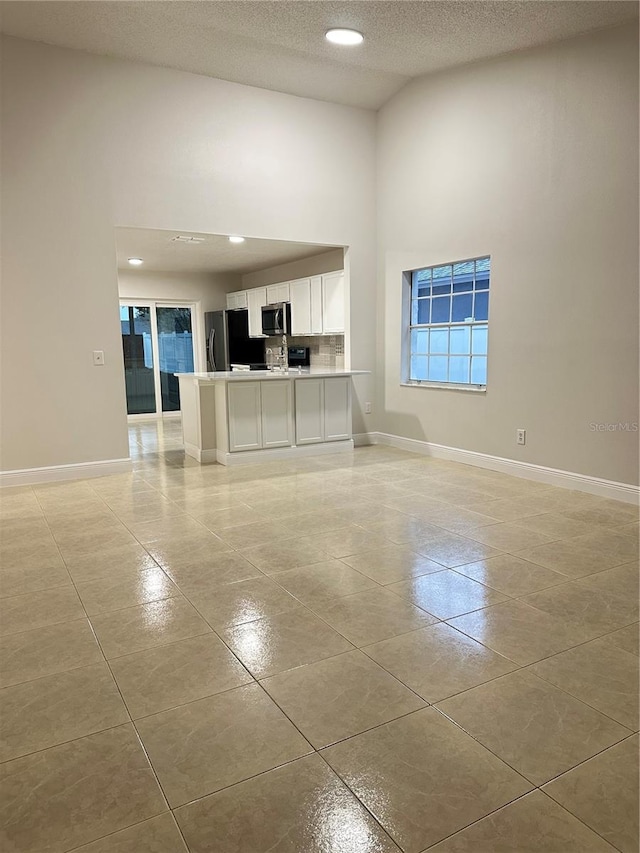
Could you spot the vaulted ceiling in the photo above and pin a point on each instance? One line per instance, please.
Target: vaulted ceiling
(280, 44)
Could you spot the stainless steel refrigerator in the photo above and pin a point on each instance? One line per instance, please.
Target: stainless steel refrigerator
(228, 341)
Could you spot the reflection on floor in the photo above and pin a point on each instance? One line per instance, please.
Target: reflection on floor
(361, 655)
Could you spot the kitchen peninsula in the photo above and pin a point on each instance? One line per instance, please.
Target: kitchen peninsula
(252, 416)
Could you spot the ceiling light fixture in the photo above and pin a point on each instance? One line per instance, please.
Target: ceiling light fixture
(136, 262)
(236, 238)
(191, 239)
(343, 36)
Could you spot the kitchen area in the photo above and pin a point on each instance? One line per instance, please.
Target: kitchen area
(270, 372)
(298, 323)
(275, 386)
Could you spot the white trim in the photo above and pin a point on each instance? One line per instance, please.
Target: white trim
(541, 473)
(203, 456)
(58, 473)
(364, 439)
(273, 453)
(153, 416)
(142, 417)
(451, 386)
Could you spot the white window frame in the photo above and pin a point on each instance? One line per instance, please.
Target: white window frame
(408, 327)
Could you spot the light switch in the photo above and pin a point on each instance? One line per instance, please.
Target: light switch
(98, 357)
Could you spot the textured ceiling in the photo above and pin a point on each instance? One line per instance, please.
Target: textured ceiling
(215, 255)
(280, 45)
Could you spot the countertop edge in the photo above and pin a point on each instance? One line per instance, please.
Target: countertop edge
(265, 375)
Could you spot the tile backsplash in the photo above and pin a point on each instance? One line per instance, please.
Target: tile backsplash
(324, 350)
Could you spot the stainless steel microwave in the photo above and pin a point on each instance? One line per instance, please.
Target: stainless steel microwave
(276, 319)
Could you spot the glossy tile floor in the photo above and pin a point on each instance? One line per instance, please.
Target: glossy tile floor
(342, 654)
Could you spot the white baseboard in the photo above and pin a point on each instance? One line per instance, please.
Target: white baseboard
(274, 453)
(364, 439)
(60, 473)
(527, 470)
(203, 456)
(153, 417)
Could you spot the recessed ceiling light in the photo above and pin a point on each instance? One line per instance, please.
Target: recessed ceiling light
(136, 262)
(342, 36)
(235, 238)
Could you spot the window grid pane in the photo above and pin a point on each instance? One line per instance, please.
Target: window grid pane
(449, 323)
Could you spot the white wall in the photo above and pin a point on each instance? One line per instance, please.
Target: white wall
(315, 265)
(90, 143)
(533, 159)
(207, 290)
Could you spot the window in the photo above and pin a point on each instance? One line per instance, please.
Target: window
(448, 326)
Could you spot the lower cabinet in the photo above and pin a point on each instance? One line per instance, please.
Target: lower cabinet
(277, 420)
(245, 423)
(260, 415)
(337, 408)
(309, 406)
(323, 409)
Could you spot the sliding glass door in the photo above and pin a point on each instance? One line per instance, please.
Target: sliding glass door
(139, 374)
(157, 341)
(175, 352)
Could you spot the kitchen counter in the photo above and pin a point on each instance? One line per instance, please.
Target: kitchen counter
(254, 415)
(259, 375)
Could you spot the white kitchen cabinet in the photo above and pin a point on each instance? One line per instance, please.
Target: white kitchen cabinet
(256, 298)
(278, 293)
(323, 410)
(277, 420)
(237, 300)
(306, 306)
(309, 411)
(245, 422)
(260, 415)
(337, 408)
(300, 294)
(333, 303)
(241, 417)
(317, 325)
(317, 304)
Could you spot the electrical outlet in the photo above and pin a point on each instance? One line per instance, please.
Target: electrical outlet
(98, 357)
(367, 408)
(521, 436)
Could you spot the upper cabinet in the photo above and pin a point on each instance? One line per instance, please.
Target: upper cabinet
(300, 298)
(333, 303)
(317, 304)
(237, 300)
(278, 293)
(256, 298)
(317, 325)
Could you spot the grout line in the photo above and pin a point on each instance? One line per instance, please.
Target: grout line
(131, 826)
(520, 773)
(302, 472)
(126, 707)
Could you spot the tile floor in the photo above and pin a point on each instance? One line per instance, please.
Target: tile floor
(347, 655)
